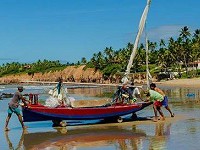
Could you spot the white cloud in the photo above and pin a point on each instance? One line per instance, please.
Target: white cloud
(164, 32)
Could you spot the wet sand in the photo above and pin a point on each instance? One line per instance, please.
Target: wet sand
(193, 82)
(140, 121)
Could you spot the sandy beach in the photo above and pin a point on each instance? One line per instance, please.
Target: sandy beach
(194, 82)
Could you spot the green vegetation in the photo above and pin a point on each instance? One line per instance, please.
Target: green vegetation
(176, 55)
(39, 66)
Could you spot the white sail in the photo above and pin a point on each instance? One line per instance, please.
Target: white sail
(140, 30)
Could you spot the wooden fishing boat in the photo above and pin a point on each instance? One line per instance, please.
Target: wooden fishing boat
(39, 112)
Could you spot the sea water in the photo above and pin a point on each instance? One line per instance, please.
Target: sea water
(180, 132)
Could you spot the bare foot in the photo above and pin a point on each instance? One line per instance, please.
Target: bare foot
(7, 129)
(162, 118)
(25, 131)
(24, 127)
(155, 119)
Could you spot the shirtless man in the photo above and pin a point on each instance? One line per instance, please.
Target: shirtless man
(13, 107)
(165, 101)
(157, 99)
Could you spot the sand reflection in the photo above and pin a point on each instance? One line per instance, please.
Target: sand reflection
(162, 133)
(20, 143)
(116, 137)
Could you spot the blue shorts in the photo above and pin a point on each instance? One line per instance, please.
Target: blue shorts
(13, 110)
(165, 101)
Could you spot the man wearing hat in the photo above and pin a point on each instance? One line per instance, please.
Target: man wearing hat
(13, 107)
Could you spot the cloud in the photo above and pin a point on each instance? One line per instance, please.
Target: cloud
(155, 34)
(164, 32)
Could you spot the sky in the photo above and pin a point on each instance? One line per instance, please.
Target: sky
(68, 30)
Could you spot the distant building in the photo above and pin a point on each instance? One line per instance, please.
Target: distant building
(194, 65)
(27, 67)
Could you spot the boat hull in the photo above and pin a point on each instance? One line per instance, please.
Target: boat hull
(42, 113)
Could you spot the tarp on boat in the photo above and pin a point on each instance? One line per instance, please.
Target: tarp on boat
(56, 99)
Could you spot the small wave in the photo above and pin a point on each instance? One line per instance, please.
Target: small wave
(38, 87)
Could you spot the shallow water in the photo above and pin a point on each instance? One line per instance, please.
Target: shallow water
(180, 132)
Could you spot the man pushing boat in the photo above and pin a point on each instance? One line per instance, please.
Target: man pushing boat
(13, 107)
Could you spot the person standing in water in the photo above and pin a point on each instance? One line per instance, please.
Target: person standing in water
(165, 101)
(59, 85)
(156, 98)
(13, 107)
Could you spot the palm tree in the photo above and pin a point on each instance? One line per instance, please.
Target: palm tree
(185, 33)
(196, 47)
(162, 43)
(83, 60)
(153, 52)
(109, 54)
(185, 46)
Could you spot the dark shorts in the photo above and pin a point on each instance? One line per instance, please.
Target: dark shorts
(165, 101)
(13, 110)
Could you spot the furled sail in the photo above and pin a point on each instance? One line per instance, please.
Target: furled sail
(148, 75)
(140, 31)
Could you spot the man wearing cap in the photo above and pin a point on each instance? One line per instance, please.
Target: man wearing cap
(13, 107)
